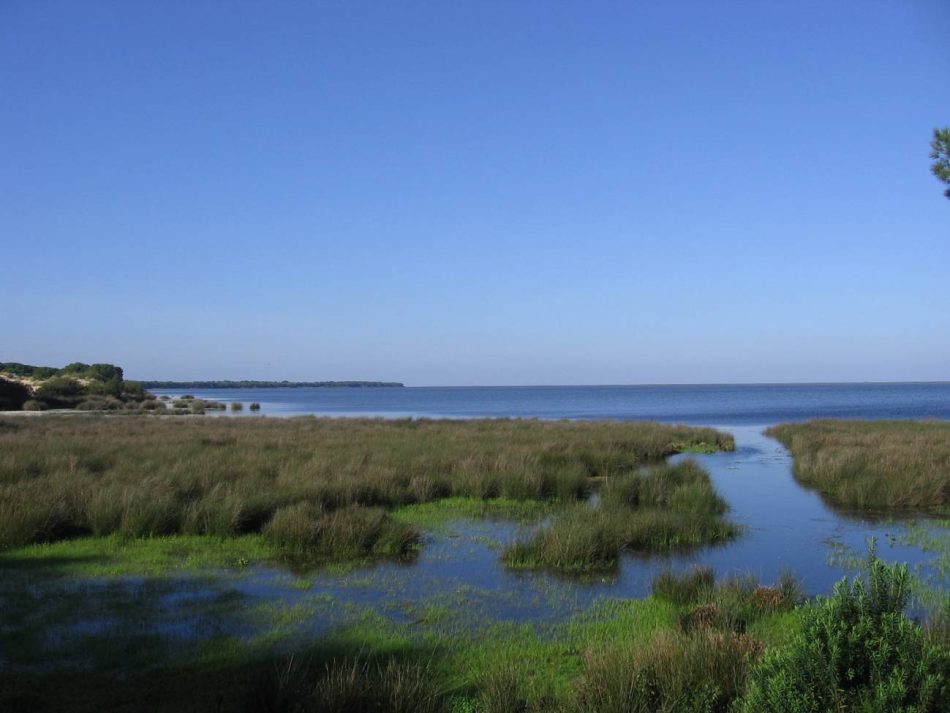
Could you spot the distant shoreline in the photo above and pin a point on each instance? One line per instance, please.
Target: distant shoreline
(268, 384)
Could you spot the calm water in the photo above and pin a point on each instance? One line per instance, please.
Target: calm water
(712, 404)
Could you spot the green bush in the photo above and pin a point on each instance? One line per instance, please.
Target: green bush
(61, 392)
(856, 651)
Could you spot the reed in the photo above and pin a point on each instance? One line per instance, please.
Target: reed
(68, 476)
(873, 465)
(664, 508)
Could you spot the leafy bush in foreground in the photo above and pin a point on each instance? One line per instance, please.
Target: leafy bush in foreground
(856, 651)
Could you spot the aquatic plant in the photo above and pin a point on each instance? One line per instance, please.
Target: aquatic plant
(872, 465)
(663, 508)
(62, 477)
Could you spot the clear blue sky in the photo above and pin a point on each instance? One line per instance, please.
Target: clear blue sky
(476, 192)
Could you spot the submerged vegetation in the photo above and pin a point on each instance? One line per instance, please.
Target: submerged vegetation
(873, 465)
(325, 489)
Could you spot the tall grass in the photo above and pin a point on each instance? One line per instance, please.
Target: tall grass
(67, 476)
(348, 685)
(666, 507)
(873, 465)
(701, 672)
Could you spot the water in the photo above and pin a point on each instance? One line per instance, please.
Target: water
(757, 404)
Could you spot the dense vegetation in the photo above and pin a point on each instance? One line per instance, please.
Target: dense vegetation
(664, 507)
(250, 384)
(323, 488)
(99, 387)
(873, 465)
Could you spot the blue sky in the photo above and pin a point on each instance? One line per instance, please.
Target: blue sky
(476, 193)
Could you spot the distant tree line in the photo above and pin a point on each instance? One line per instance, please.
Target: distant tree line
(248, 384)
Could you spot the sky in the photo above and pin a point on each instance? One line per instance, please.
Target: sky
(460, 193)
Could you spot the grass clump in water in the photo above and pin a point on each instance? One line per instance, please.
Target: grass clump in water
(872, 465)
(667, 507)
(309, 532)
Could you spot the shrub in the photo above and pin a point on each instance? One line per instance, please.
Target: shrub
(61, 392)
(255, 406)
(237, 406)
(13, 395)
(34, 405)
(856, 650)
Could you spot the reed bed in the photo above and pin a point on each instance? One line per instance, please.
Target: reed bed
(662, 508)
(873, 465)
(320, 485)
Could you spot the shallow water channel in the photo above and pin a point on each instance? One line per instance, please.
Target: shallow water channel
(458, 576)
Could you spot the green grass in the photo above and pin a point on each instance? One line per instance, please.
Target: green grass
(664, 508)
(895, 466)
(115, 555)
(308, 484)
(438, 513)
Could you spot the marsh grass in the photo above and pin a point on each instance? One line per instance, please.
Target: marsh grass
(730, 606)
(873, 465)
(701, 672)
(63, 477)
(665, 507)
(358, 684)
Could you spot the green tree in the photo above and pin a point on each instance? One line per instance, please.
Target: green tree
(940, 153)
